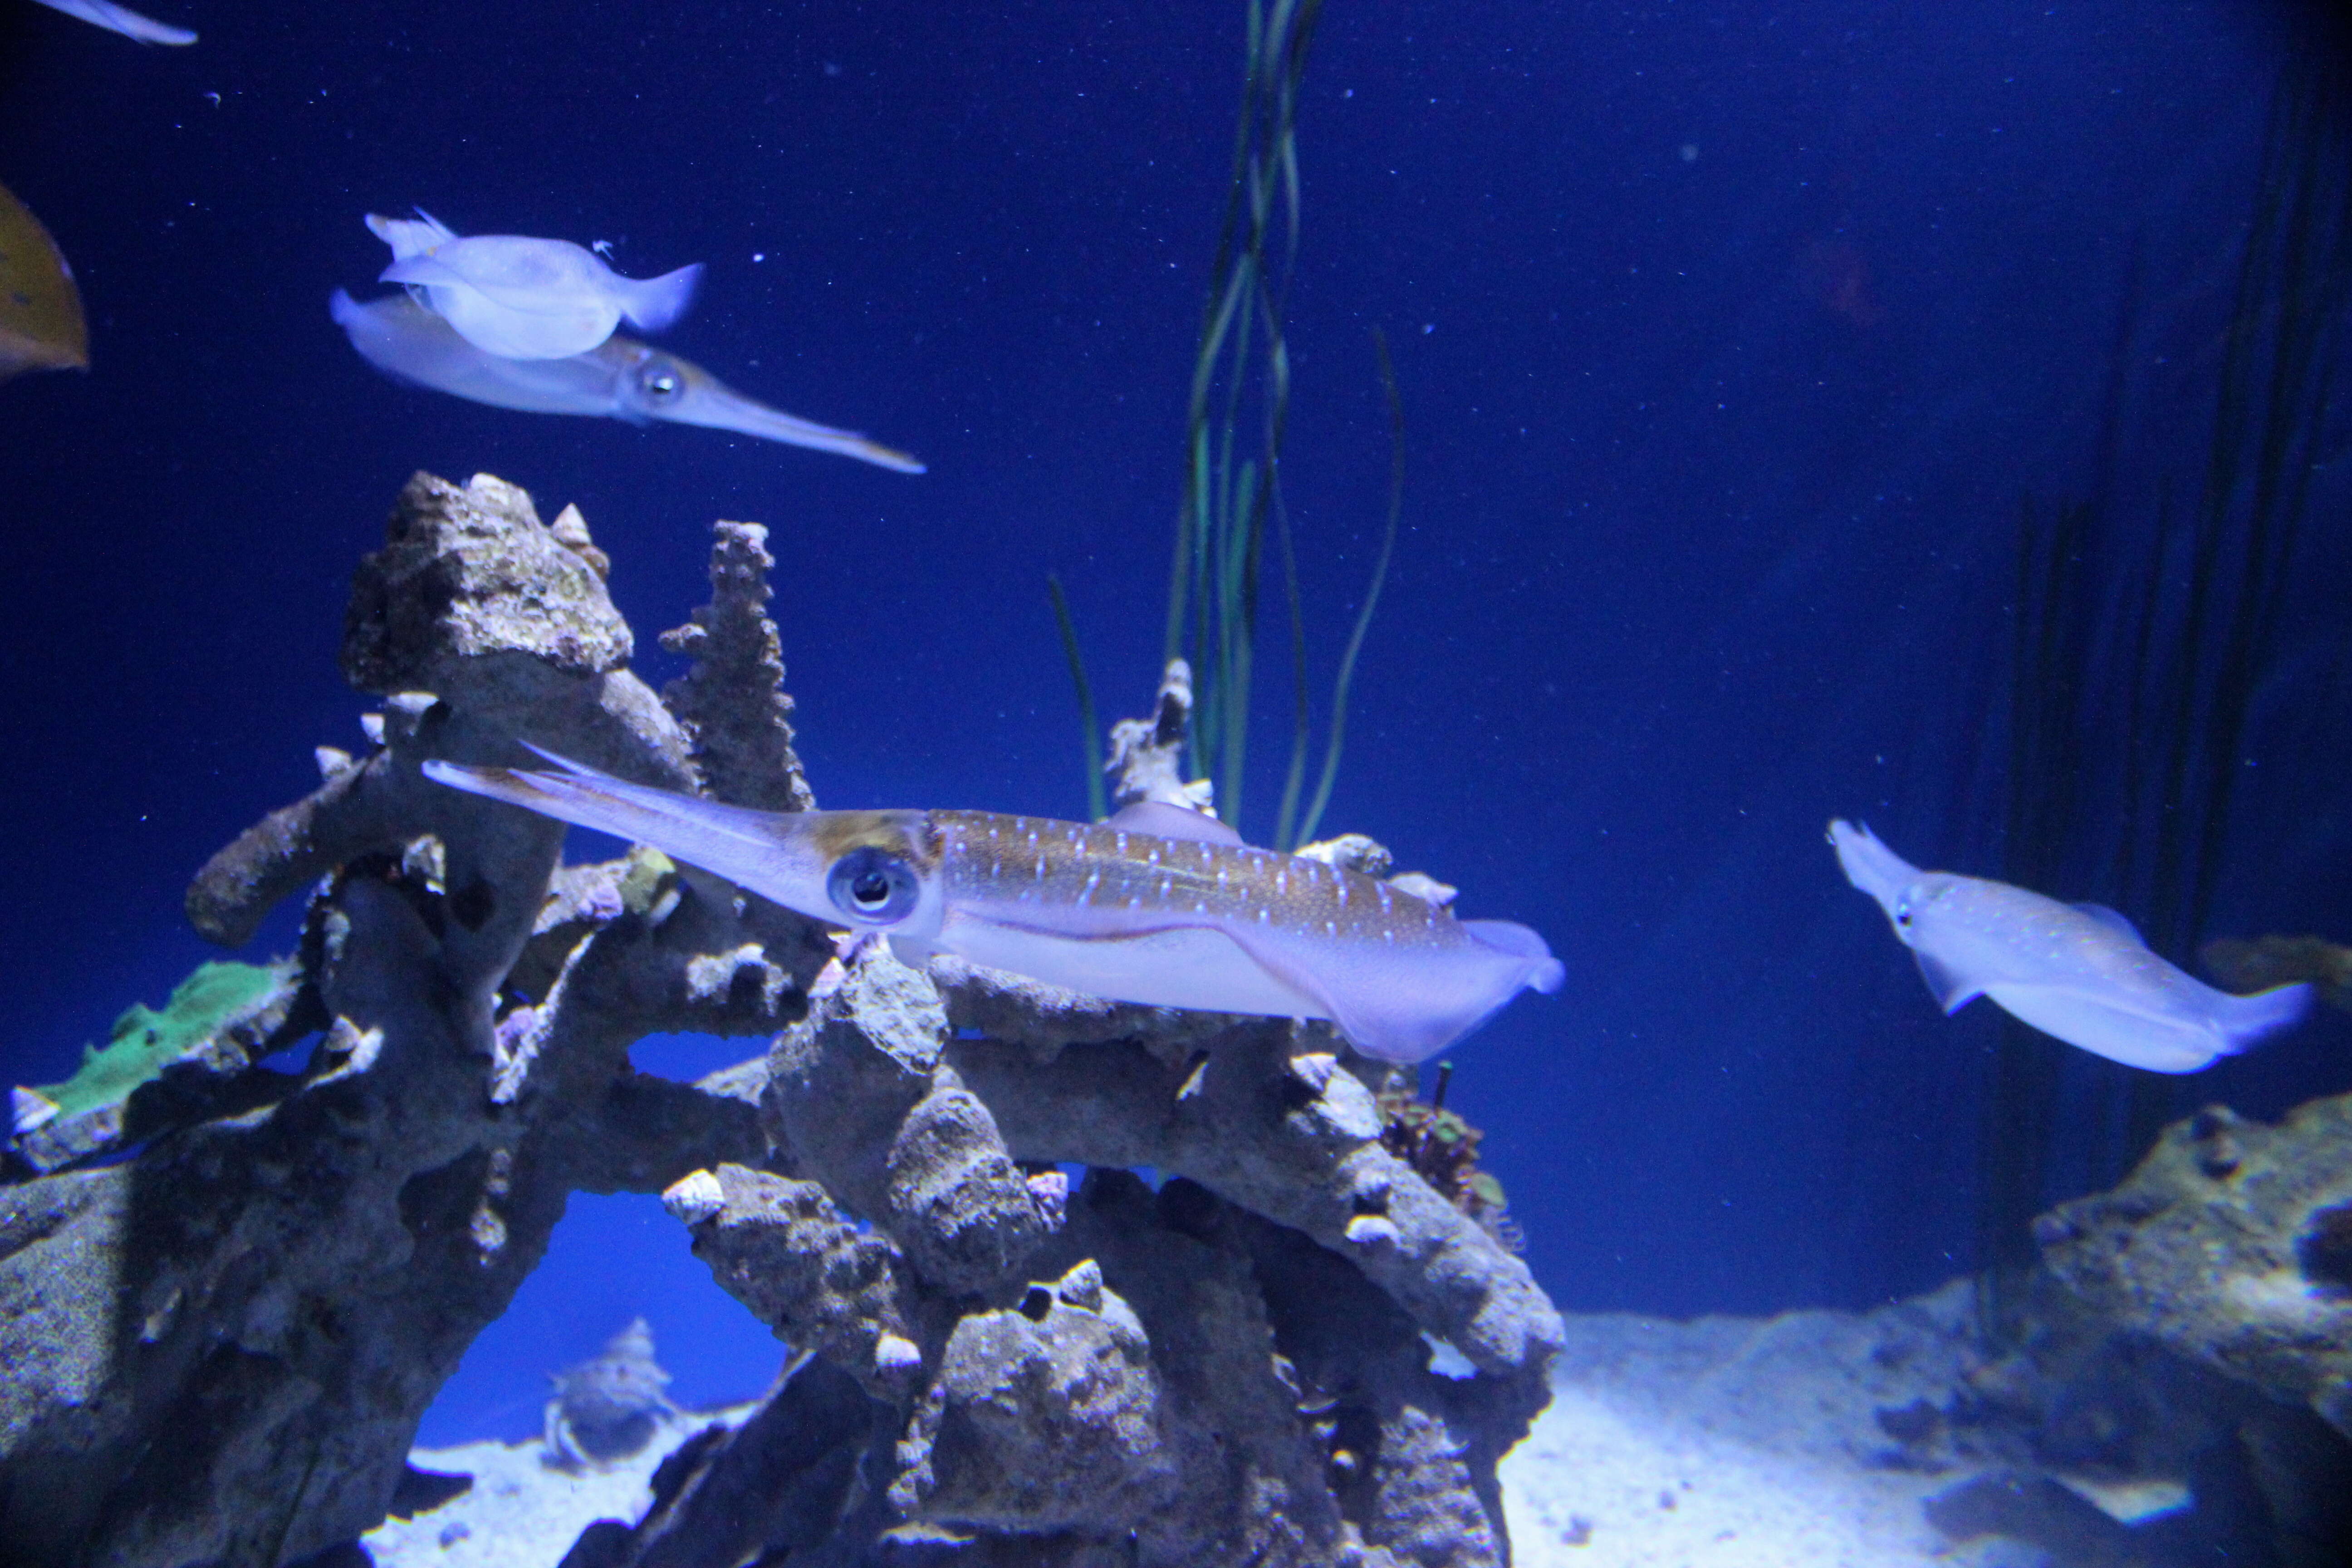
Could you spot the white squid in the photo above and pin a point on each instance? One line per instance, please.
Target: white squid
(620, 379)
(123, 20)
(1158, 905)
(2078, 972)
(522, 297)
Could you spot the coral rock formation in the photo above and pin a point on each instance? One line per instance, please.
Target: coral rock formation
(2231, 1246)
(1234, 1368)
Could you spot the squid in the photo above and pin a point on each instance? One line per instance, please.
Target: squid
(620, 379)
(1158, 905)
(522, 297)
(123, 20)
(2077, 972)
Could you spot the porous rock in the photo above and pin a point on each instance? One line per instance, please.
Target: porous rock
(2231, 1246)
(784, 1250)
(469, 573)
(1289, 1137)
(1146, 755)
(1044, 1417)
(733, 700)
(963, 1210)
(219, 1348)
(858, 1093)
(1229, 1371)
(843, 1079)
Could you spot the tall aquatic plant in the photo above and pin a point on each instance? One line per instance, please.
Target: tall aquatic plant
(2158, 633)
(1235, 417)
(1232, 499)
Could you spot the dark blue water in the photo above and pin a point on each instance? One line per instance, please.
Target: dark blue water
(1728, 337)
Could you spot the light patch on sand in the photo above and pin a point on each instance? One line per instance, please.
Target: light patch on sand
(1729, 1443)
(521, 1513)
(1593, 1488)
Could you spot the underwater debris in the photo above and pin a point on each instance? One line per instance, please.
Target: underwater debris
(304, 1275)
(608, 1407)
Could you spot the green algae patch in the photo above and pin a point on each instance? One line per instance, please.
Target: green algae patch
(144, 1041)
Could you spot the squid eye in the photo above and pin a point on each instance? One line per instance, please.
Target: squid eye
(659, 384)
(1903, 915)
(872, 885)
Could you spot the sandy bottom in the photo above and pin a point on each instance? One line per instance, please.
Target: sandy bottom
(1719, 1443)
(521, 1512)
(1740, 1443)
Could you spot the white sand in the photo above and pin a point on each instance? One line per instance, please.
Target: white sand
(1721, 1443)
(521, 1513)
(1740, 1443)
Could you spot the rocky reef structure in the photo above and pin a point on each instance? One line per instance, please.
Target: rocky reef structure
(222, 1341)
(2231, 1247)
(2182, 1388)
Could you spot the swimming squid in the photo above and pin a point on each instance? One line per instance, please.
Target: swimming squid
(523, 298)
(123, 20)
(621, 378)
(2075, 971)
(1158, 905)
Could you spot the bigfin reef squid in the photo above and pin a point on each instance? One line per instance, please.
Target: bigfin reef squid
(524, 298)
(620, 378)
(2078, 972)
(1158, 905)
(123, 20)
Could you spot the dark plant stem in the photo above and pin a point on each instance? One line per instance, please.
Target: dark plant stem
(1233, 499)
(1089, 731)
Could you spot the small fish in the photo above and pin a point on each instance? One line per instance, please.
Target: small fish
(2075, 971)
(621, 378)
(523, 298)
(41, 323)
(123, 20)
(1158, 905)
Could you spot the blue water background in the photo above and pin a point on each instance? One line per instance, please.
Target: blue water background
(1729, 336)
